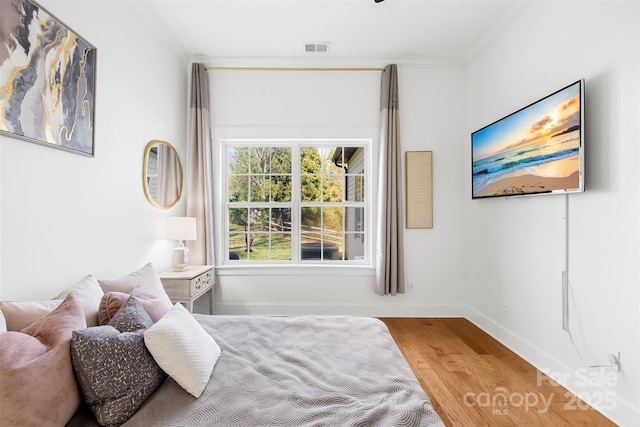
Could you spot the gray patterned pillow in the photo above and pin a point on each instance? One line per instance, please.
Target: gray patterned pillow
(131, 317)
(115, 371)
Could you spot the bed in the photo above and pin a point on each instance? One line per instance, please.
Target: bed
(119, 352)
(293, 371)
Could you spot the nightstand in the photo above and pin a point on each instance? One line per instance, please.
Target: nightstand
(187, 286)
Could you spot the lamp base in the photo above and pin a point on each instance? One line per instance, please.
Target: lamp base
(180, 259)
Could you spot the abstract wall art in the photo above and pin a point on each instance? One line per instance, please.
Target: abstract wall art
(47, 79)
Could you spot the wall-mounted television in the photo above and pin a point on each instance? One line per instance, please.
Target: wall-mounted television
(538, 149)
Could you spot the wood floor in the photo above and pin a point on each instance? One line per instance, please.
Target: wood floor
(473, 380)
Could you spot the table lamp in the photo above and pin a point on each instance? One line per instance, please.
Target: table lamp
(180, 229)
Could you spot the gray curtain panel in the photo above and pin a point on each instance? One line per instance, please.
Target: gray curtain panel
(390, 246)
(199, 171)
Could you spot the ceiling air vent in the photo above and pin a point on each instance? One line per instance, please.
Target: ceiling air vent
(317, 47)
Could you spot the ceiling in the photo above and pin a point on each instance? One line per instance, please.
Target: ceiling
(402, 31)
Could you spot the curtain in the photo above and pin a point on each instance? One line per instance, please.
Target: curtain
(199, 171)
(168, 176)
(389, 245)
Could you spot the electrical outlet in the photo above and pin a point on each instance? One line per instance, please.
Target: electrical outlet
(613, 357)
(411, 287)
(505, 307)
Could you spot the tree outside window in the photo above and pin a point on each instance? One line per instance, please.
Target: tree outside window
(295, 202)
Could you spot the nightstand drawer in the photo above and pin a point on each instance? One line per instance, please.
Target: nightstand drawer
(200, 284)
(188, 285)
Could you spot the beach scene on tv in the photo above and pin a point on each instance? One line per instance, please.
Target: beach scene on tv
(535, 150)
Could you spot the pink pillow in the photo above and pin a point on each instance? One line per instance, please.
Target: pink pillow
(112, 301)
(109, 305)
(147, 278)
(37, 383)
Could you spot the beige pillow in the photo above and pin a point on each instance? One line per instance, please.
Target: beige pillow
(183, 349)
(37, 383)
(89, 294)
(20, 314)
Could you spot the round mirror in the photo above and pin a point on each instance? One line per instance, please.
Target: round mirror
(162, 174)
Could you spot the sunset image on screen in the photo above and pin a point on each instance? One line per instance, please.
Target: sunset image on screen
(535, 150)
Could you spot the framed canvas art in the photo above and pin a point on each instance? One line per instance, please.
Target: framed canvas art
(47, 79)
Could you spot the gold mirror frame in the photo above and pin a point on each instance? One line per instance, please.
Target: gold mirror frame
(148, 174)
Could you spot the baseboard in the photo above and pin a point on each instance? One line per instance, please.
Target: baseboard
(368, 310)
(612, 407)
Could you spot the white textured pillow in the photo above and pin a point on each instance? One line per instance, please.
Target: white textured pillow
(183, 349)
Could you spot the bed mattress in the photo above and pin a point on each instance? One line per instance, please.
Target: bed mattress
(294, 371)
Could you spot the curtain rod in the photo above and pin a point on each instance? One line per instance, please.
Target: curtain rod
(290, 69)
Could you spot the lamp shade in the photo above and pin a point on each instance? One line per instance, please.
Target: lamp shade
(180, 228)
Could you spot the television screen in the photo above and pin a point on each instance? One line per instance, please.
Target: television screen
(536, 150)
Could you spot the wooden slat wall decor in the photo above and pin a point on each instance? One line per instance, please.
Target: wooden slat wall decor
(419, 189)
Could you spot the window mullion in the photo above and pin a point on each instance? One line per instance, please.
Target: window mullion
(295, 203)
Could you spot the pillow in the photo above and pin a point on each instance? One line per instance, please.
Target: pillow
(112, 301)
(109, 306)
(3, 323)
(89, 294)
(131, 317)
(20, 314)
(183, 349)
(147, 278)
(37, 384)
(114, 369)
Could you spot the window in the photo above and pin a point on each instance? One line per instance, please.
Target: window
(296, 202)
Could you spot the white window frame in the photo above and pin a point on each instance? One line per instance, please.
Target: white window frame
(297, 144)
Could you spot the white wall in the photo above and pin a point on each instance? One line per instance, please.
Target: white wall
(63, 215)
(345, 104)
(517, 245)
